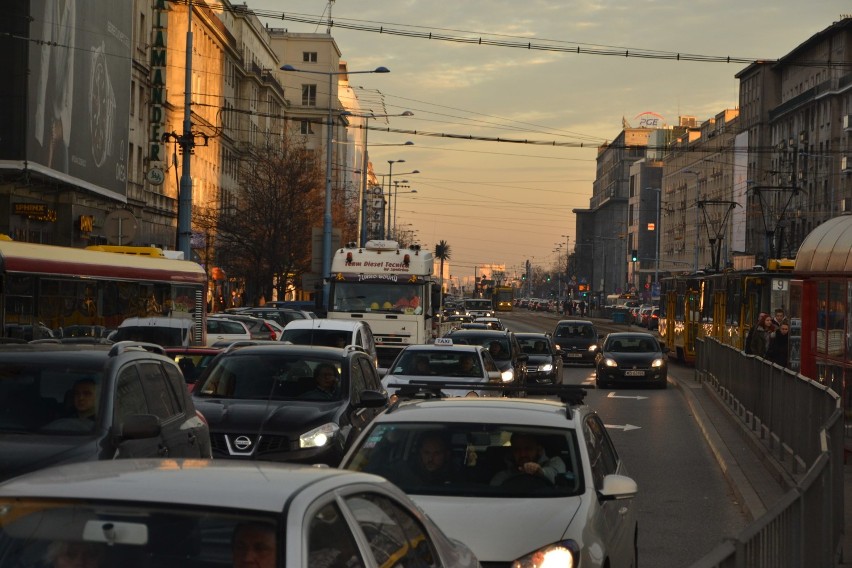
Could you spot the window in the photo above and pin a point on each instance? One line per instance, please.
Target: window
(160, 402)
(356, 380)
(396, 538)
(306, 127)
(129, 398)
(309, 95)
(602, 457)
(309, 56)
(330, 540)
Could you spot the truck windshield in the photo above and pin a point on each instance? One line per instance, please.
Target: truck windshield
(378, 297)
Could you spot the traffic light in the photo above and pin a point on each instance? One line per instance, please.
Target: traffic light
(523, 276)
(634, 255)
(548, 277)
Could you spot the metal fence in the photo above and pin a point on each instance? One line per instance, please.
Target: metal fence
(801, 423)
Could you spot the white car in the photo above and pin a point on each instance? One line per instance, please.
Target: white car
(331, 333)
(523, 482)
(442, 362)
(174, 512)
(221, 329)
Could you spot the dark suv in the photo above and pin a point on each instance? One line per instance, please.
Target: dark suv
(578, 340)
(508, 356)
(70, 403)
(293, 403)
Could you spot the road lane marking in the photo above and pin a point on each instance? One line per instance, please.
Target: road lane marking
(637, 397)
(625, 427)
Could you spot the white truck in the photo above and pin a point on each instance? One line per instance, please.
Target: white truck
(391, 288)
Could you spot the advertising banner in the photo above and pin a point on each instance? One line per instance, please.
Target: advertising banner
(79, 92)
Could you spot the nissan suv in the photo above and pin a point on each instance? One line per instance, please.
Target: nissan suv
(293, 403)
(64, 403)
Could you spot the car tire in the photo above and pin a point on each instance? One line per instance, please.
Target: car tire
(663, 384)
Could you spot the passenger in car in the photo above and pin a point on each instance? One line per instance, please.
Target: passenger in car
(84, 400)
(327, 383)
(433, 465)
(254, 545)
(528, 458)
(61, 554)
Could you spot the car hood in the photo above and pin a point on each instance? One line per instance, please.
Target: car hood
(569, 343)
(536, 359)
(275, 415)
(404, 380)
(501, 529)
(22, 453)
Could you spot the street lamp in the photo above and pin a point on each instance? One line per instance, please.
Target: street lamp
(396, 194)
(362, 218)
(390, 178)
(326, 222)
(657, 235)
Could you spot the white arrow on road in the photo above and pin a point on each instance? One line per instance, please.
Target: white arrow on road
(625, 427)
(613, 395)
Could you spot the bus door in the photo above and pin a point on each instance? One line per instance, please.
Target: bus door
(720, 318)
(691, 322)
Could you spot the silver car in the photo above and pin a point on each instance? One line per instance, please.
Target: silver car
(170, 513)
(523, 482)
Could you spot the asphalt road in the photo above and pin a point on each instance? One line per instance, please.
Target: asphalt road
(685, 506)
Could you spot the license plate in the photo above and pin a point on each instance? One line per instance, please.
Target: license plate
(634, 373)
(578, 355)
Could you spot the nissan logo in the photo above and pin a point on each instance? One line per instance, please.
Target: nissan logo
(242, 443)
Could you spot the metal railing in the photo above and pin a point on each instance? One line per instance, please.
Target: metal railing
(801, 423)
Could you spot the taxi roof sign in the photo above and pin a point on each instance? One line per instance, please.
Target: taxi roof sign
(443, 341)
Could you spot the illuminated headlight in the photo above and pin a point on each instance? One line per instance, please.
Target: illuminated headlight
(508, 376)
(593, 348)
(610, 362)
(318, 437)
(546, 368)
(558, 555)
(657, 363)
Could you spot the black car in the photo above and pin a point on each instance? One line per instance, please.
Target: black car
(504, 348)
(578, 340)
(631, 358)
(544, 365)
(69, 403)
(293, 403)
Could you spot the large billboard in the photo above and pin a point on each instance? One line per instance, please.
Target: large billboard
(78, 92)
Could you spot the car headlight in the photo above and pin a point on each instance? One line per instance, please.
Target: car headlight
(593, 348)
(657, 363)
(546, 368)
(508, 376)
(609, 362)
(563, 554)
(318, 437)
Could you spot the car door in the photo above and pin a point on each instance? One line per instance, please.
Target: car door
(604, 460)
(164, 404)
(196, 432)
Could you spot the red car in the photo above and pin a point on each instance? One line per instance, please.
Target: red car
(192, 361)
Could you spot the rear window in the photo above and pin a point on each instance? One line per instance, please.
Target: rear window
(323, 337)
(165, 336)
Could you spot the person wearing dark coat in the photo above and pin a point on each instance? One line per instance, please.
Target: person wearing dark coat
(779, 343)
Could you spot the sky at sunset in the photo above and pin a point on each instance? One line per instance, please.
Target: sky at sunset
(504, 203)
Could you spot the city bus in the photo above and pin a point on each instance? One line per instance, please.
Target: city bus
(503, 298)
(44, 289)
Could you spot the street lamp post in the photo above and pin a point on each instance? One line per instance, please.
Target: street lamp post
(327, 221)
(396, 193)
(390, 185)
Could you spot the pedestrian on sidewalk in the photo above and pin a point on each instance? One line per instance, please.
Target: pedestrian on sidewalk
(779, 343)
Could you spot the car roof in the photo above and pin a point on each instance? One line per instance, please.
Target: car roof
(575, 322)
(79, 353)
(496, 410)
(322, 323)
(454, 347)
(617, 334)
(480, 332)
(252, 347)
(264, 486)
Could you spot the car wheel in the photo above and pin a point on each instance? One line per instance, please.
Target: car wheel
(663, 384)
(601, 384)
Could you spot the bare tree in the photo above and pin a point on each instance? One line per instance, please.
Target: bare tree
(264, 236)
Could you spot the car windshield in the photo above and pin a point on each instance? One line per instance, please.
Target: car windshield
(326, 337)
(478, 305)
(41, 533)
(270, 376)
(45, 398)
(500, 351)
(534, 345)
(360, 297)
(632, 344)
(580, 330)
(472, 459)
(446, 363)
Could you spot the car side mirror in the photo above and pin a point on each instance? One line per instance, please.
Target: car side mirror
(617, 487)
(139, 427)
(373, 399)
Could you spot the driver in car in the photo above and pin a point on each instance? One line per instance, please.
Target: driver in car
(528, 458)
